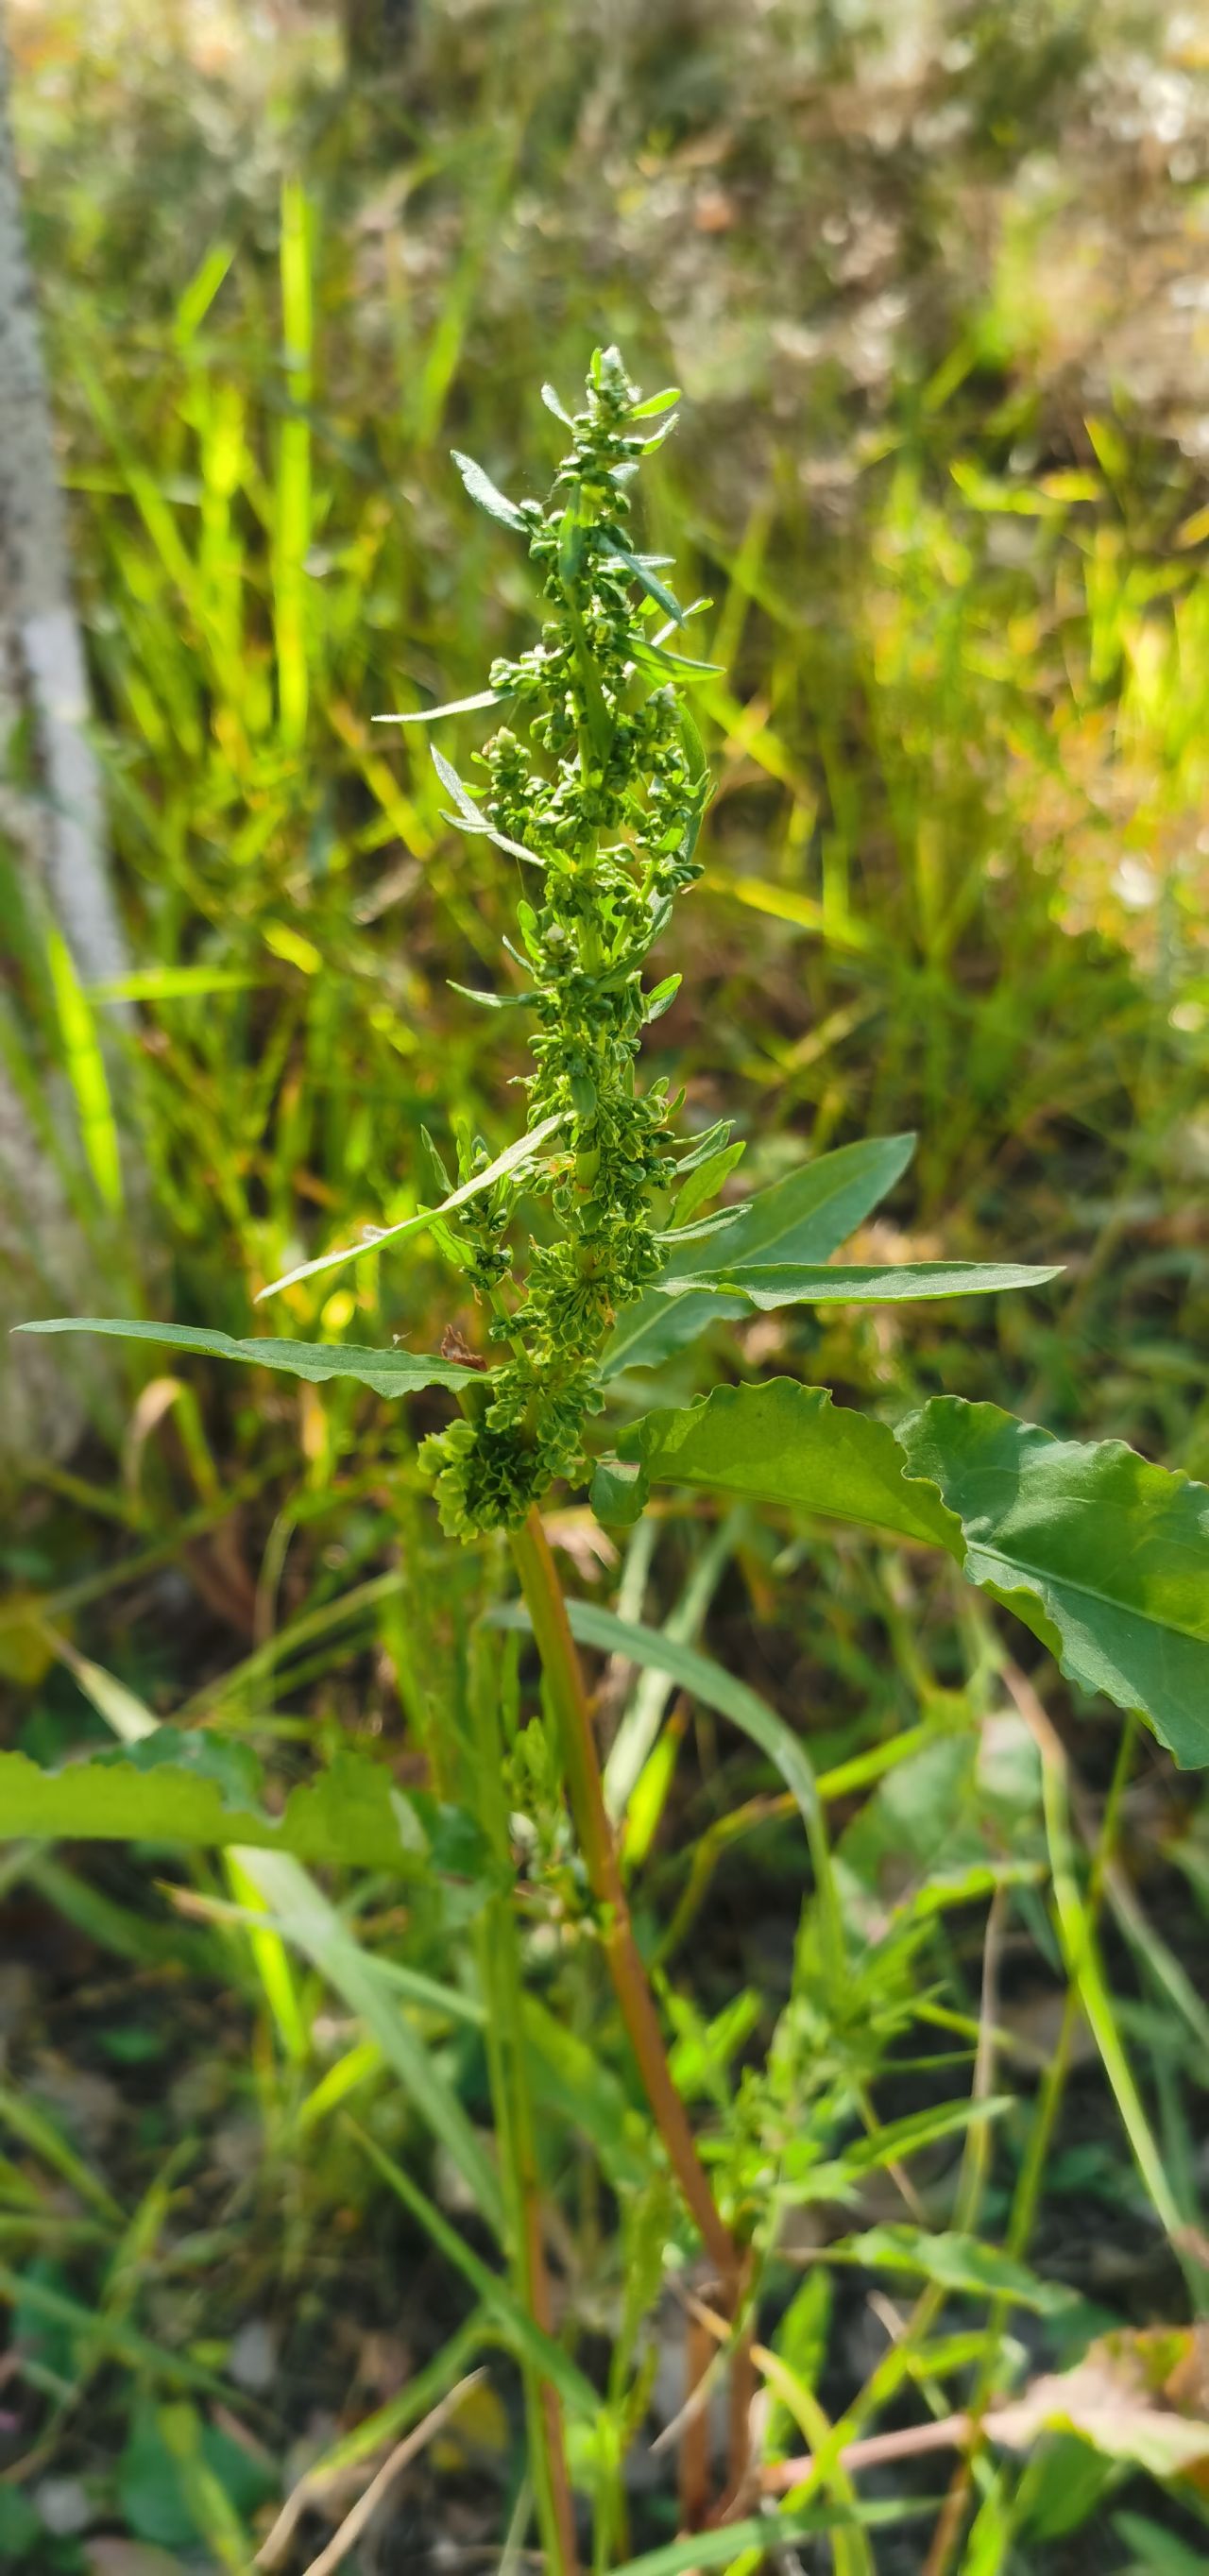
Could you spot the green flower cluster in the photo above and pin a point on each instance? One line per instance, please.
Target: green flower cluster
(605, 800)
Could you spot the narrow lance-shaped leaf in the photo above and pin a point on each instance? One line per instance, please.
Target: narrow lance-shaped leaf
(804, 1217)
(387, 1372)
(453, 707)
(470, 817)
(511, 1160)
(648, 579)
(790, 1283)
(655, 403)
(488, 495)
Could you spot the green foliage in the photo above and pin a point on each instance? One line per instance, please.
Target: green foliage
(164, 1791)
(611, 828)
(795, 1283)
(922, 730)
(1103, 1555)
(387, 1372)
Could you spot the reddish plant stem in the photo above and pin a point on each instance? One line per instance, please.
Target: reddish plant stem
(564, 1677)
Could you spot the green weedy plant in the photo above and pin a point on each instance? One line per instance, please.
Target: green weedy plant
(588, 1245)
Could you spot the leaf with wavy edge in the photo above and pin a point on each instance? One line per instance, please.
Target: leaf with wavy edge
(387, 1372)
(347, 1814)
(785, 1443)
(1103, 1555)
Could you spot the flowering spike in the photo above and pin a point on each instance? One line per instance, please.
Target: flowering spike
(607, 793)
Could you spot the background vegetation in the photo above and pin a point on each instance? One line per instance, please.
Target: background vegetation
(934, 284)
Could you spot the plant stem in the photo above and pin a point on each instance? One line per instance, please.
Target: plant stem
(564, 1678)
(501, 1973)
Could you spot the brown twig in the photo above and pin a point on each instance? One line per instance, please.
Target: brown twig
(309, 2489)
(874, 2452)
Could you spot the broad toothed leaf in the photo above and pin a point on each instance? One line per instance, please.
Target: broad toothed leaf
(387, 1372)
(1104, 1556)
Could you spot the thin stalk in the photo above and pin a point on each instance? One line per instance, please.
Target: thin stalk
(500, 1969)
(565, 1682)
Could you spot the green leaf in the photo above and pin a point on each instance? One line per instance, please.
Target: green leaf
(661, 666)
(172, 984)
(488, 496)
(644, 576)
(897, 2139)
(791, 1444)
(490, 1001)
(705, 1183)
(660, 998)
(86, 1069)
(570, 2079)
(20, 2528)
(1104, 1556)
(619, 1492)
(345, 1815)
(453, 707)
(790, 1283)
(95, 2330)
(958, 2263)
(1157, 2552)
(471, 818)
(655, 403)
(764, 2534)
(306, 1918)
(523, 1151)
(804, 1217)
(387, 1372)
